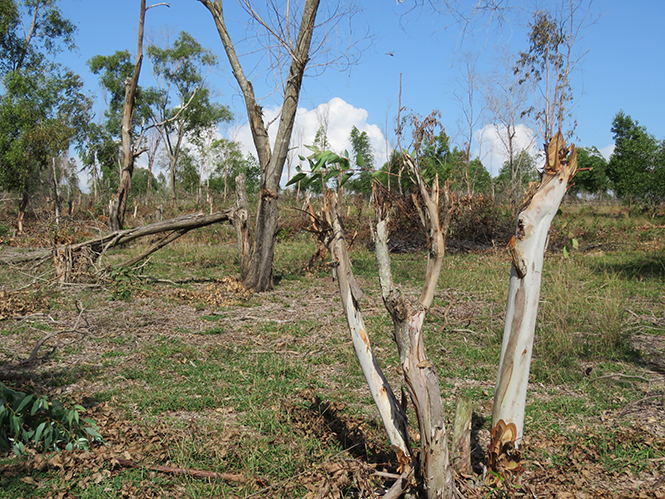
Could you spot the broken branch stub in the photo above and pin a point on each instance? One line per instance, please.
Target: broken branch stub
(408, 317)
(329, 228)
(527, 250)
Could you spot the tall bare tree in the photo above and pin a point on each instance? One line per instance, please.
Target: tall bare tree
(258, 273)
(465, 94)
(506, 100)
(291, 34)
(129, 147)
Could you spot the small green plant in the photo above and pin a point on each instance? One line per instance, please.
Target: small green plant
(32, 420)
(574, 244)
(122, 284)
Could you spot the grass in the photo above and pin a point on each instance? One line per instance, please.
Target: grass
(271, 388)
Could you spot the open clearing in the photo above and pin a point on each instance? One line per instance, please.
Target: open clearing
(181, 368)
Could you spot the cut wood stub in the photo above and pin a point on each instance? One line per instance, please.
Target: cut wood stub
(504, 457)
(71, 263)
(461, 449)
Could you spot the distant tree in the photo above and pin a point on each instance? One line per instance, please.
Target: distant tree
(363, 156)
(390, 171)
(464, 94)
(636, 167)
(479, 177)
(436, 158)
(182, 105)
(228, 163)
(187, 174)
(141, 179)
(514, 177)
(507, 93)
(42, 105)
(592, 175)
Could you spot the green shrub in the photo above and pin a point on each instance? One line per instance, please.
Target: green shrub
(31, 420)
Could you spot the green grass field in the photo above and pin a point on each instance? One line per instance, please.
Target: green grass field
(179, 370)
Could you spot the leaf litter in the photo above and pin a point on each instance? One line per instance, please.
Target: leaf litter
(364, 467)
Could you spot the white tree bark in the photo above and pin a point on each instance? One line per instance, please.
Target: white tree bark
(527, 250)
(431, 467)
(408, 318)
(391, 412)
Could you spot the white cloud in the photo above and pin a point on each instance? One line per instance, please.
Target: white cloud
(491, 150)
(338, 116)
(607, 151)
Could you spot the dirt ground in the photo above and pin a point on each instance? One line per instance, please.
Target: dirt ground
(163, 310)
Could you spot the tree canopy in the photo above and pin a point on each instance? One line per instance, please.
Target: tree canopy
(43, 109)
(636, 168)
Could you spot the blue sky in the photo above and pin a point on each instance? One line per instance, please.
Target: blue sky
(623, 68)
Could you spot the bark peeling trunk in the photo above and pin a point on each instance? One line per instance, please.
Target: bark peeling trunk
(119, 202)
(242, 224)
(431, 466)
(527, 250)
(391, 412)
(408, 318)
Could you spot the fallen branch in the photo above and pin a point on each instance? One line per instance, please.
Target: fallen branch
(39, 344)
(229, 477)
(624, 376)
(400, 485)
(66, 257)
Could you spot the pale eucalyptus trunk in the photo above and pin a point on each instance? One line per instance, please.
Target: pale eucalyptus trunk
(119, 202)
(408, 317)
(527, 249)
(431, 467)
(391, 412)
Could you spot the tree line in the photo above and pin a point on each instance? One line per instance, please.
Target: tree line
(45, 115)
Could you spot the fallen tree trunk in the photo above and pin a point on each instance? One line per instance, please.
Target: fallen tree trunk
(186, 223)
(70, 259)
(16, 257)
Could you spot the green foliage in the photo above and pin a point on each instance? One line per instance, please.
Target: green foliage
(637, 166)
(123, 283)
(51, 33)
(140, 182)
(42, 112)
(362, 151)
(187, 174)
(514, 177)
(229, 163)
(323, 166)
(33, 420)
(591, 176)
(434, 157)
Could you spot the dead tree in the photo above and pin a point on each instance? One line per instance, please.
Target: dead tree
(130, 149)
